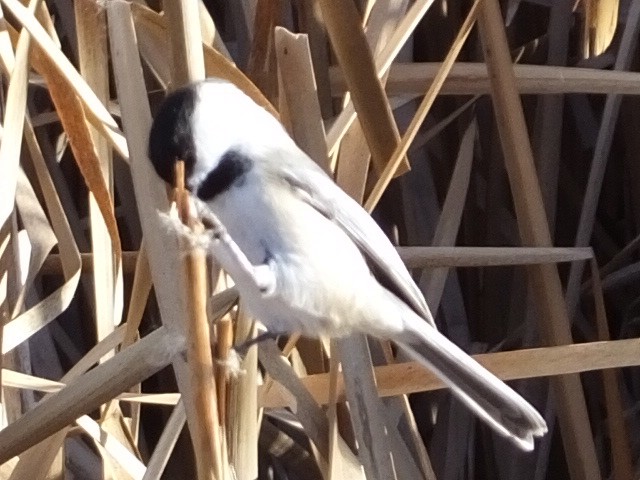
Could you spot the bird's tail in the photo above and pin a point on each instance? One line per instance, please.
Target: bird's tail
(487, 396)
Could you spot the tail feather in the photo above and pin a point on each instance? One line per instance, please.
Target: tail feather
(487, 396)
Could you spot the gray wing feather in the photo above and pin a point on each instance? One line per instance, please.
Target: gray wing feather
(317, 189)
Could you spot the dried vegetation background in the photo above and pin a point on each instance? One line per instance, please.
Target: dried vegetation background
(519, 216)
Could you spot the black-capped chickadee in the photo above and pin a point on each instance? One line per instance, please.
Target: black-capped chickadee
(333, 270)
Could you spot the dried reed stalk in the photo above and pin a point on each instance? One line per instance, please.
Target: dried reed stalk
(89, 391)
(353, 53)
(622, 463)
(410, 377)
(534, 231)
(207, 436)
(391, 167)
(413, 257)
(473, 79)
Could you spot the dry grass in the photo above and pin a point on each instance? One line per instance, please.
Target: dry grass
(521, 176)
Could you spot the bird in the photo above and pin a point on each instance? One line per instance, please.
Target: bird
(334, 272)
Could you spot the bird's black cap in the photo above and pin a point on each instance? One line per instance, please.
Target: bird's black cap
(171, 136)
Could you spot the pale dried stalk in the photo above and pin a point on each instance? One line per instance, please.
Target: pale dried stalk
(209, 395)
(6, 267)
(107, 273)
(392, 166)
(409, 79)
(547, 125)
(383, 62)
(308, 411)
(52, 265)
(167, 441)
(300, 92)
(185, 35)
(163, 246)
(600, 22)
(208, 440)
(89, 391)
(410, 377)
(243, 405)
(367, 411)
(109, 302)
(342, 463)
(31, 463)
(223, 337)
(41, 240)
(355, 58)
(534, 231)
(93, 154)
(414, 257)
(96, 112)
(334, 461)
(620, 448)
(114, 448)
(93, 59)
(14, 119)
(140, 290)
(27, 323)
(353, 158)
(7, 238)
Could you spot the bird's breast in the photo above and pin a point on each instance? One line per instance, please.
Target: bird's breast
(321, 275)
(256, 220)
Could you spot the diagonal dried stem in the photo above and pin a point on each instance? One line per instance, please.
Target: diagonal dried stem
(534, 231)
(354, 55)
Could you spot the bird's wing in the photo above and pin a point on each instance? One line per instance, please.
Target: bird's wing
(318, 190)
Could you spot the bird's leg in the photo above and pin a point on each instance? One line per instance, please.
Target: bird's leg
(227, 253)
(243, 348)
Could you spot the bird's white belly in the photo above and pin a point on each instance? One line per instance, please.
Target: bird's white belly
(322, 280)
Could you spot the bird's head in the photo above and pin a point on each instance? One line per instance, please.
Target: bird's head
(216, 129)
(171, 136)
